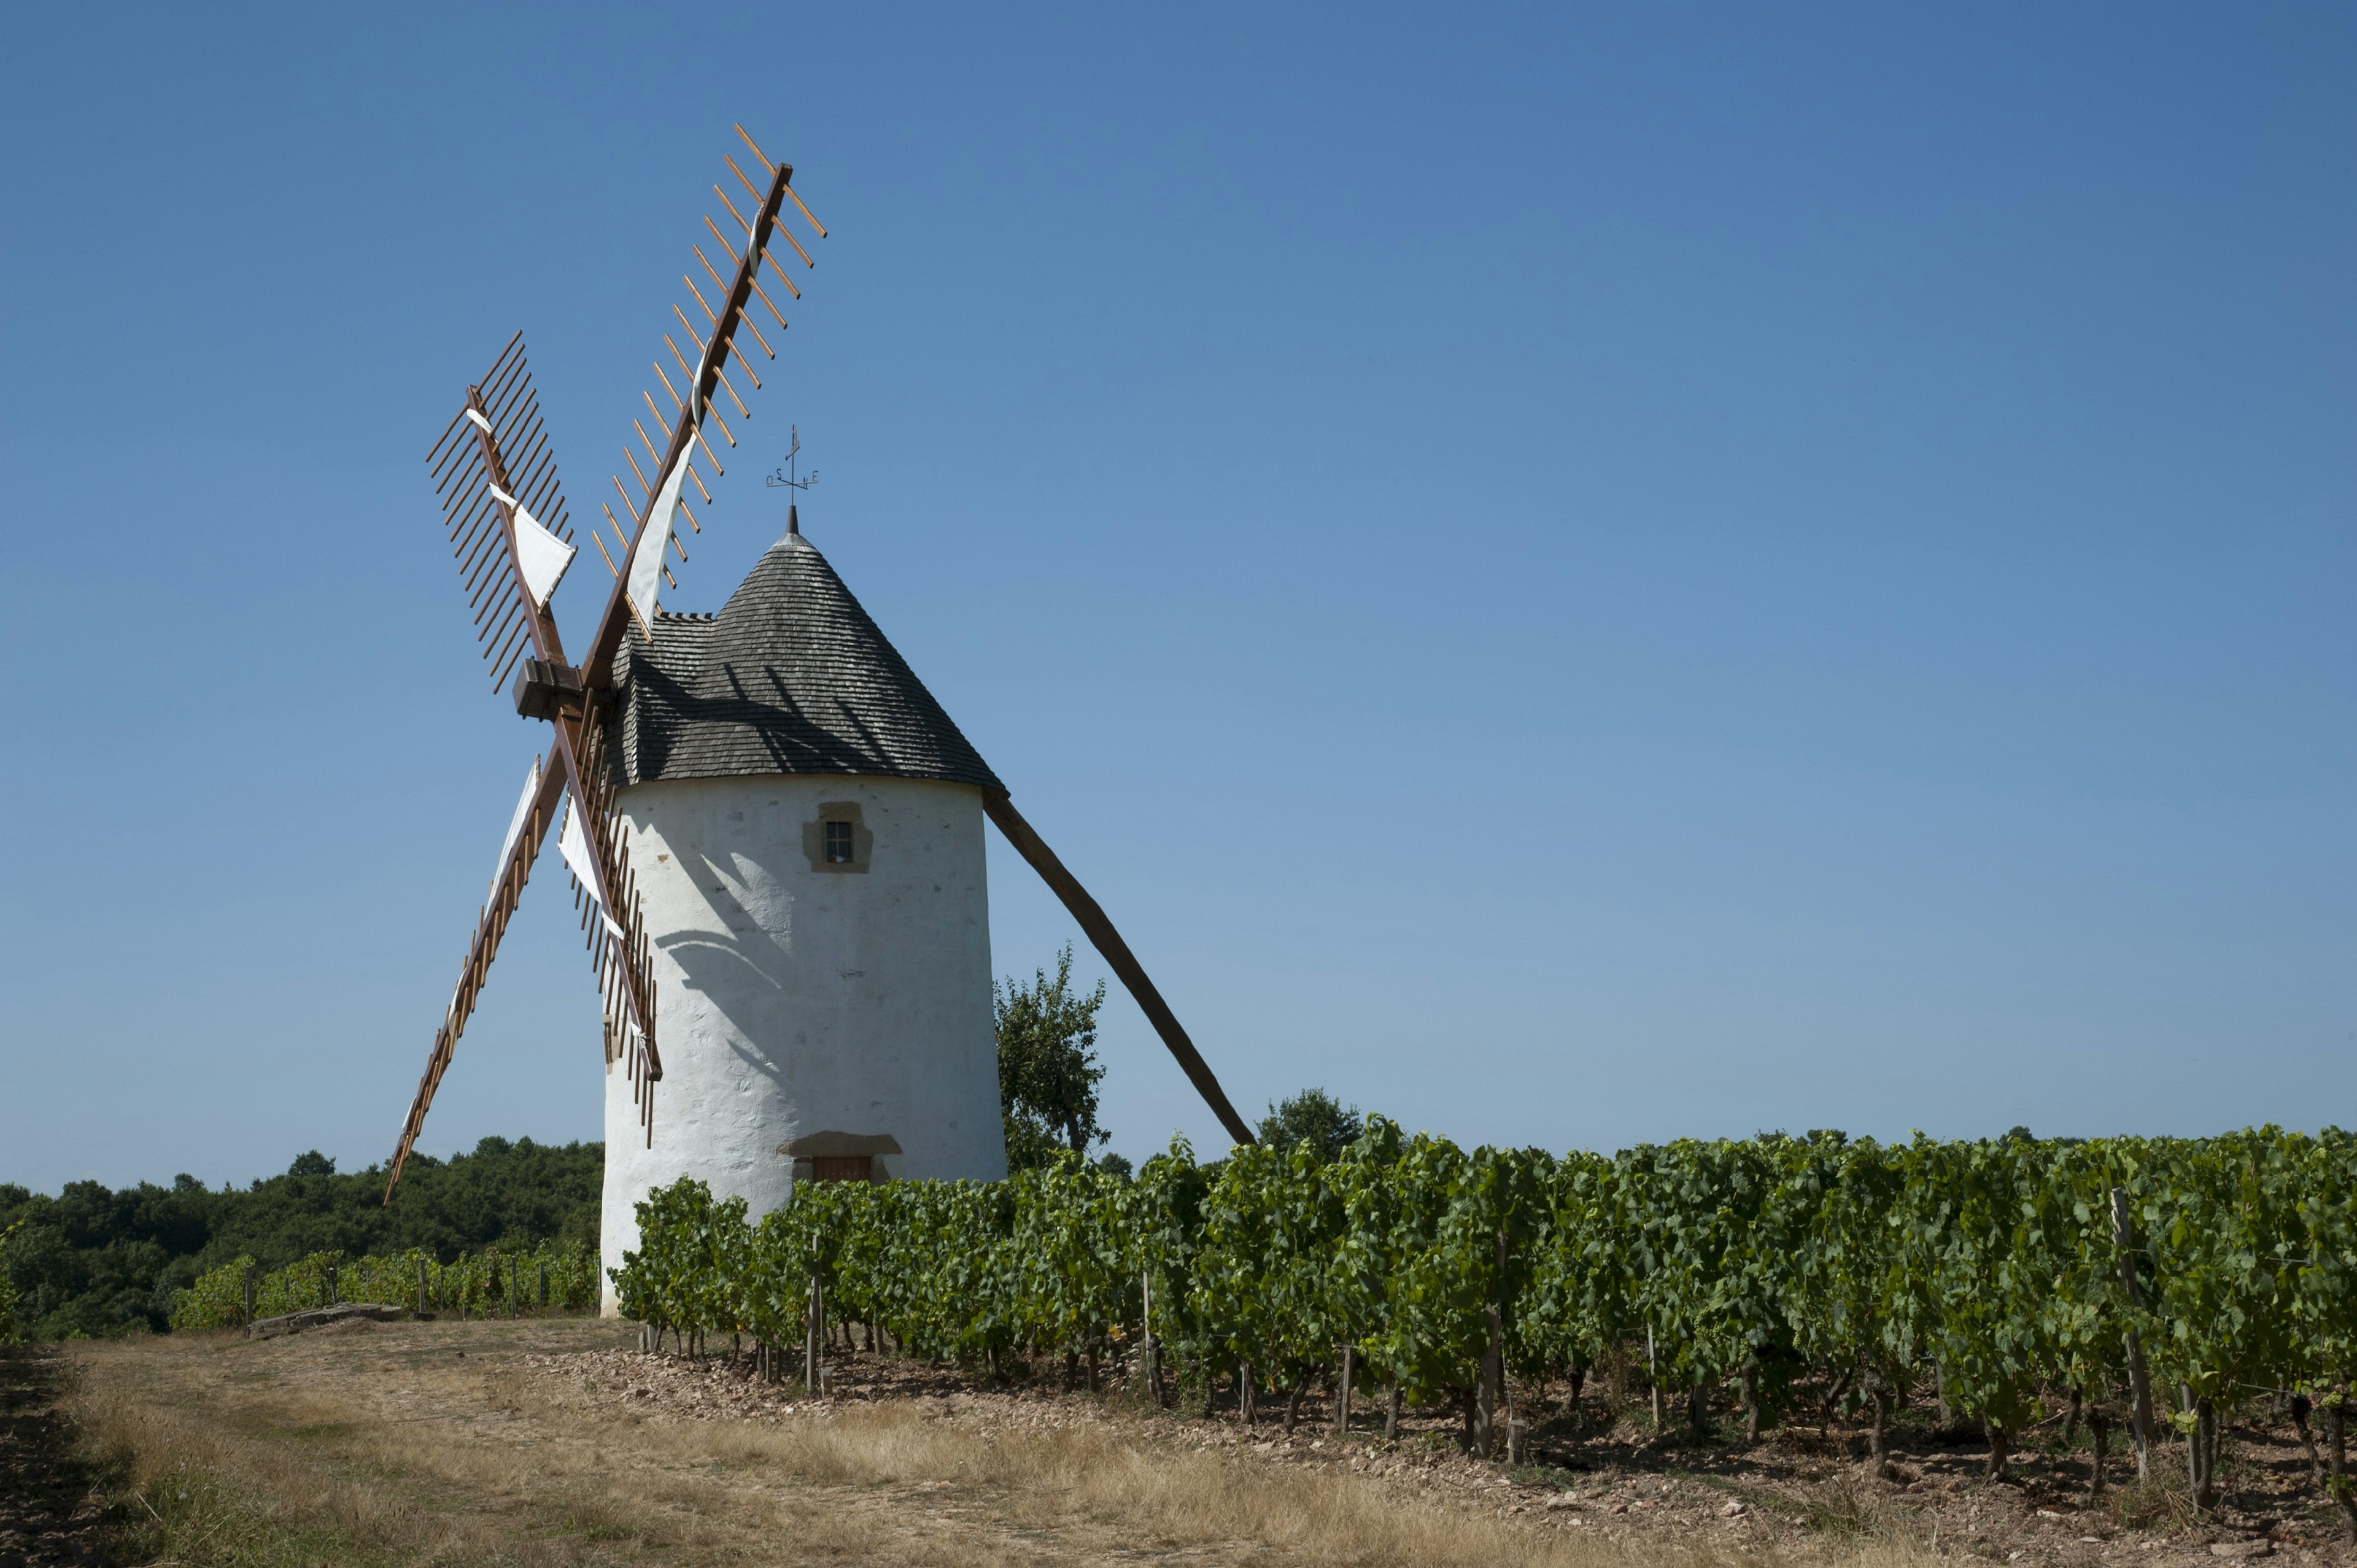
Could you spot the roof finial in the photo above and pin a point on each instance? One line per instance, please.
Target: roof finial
(789, 478)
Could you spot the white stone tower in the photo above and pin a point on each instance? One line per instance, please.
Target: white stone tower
(806, 829)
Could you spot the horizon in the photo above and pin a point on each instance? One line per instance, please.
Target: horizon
(379, 1167)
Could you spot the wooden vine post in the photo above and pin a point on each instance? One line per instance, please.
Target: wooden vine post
(1149, 1353)
(2099, 1434)
(2336, 1427)
(2139, 1380)
(1343, 1389)
(2200, 1449)
(1494, 1364)
(814, 1340)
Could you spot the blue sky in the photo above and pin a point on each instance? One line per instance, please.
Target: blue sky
(1570, 576)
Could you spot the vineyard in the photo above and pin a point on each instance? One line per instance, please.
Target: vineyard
(2145, 1285)
(481, 1284)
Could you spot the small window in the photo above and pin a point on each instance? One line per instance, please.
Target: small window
(836, 840)
(842, 1167)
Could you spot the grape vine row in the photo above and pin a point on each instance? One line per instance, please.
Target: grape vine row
(481, 1284)
(1853, 1267)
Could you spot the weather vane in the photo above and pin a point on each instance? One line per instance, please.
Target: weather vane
(784, 479)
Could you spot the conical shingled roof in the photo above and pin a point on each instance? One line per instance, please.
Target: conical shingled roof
(790, 677)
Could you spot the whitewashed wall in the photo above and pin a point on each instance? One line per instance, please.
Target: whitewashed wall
(792, 1000)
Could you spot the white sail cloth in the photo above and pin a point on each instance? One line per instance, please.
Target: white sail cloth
(644, 583)
(574, 847)
(541, 556)
(515, 823)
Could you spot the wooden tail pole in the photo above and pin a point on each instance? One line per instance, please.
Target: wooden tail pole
(1108, 943)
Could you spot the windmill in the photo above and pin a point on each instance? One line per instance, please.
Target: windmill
(772, 829)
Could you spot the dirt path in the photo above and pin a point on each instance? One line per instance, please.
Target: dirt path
(48, 1512)
(485, 1442)
(423, 1438)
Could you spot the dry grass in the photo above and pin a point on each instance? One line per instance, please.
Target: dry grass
(2157, 1504)
(192, 1490)
(394, 1448)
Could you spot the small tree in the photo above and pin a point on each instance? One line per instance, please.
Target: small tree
(1315, 1118)
(1048, 1071)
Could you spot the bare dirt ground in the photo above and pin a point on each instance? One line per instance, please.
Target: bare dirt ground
(49, 1511)
(1802, 1487)
(558, 1441)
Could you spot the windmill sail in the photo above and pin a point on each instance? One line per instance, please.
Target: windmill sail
(494, 476)
(494, 519)
(533, 814)
(654, 514)
(618, 948)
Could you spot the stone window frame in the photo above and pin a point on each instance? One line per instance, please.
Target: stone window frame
(863, 840)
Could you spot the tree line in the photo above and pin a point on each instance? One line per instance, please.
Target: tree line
(93, 1261)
